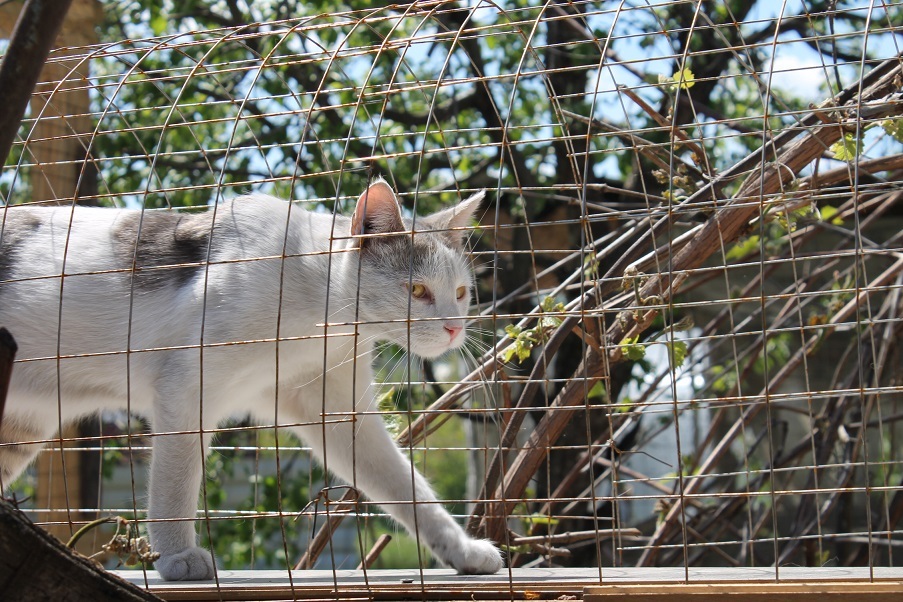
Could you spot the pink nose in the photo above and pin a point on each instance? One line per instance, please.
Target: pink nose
(453, 331)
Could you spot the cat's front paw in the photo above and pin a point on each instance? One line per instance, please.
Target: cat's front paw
(477, 557)
(193, 564)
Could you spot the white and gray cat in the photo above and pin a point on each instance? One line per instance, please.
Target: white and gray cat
(176, 316)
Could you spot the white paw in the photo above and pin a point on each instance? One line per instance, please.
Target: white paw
(193, 564)
(478, 557)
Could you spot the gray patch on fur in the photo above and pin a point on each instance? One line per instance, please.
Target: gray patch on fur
(401, 257)
(167, 239)
(15, 226)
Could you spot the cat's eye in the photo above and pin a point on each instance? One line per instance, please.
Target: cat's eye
(462, 290)
(418, 291)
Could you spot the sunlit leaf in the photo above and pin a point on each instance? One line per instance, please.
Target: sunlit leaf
(894, 128)
(828, 213)
(743, 248)
(847, 148)
(540, 519)
(677, 353)
(684, 79)
(631, 347)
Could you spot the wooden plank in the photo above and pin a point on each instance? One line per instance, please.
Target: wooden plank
(430, 584)
(881, 591)
(758, 584)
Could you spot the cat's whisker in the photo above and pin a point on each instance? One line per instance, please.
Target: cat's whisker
(400, 355)
(350, 357)
(476, 266)
(483, 383)
(483, 349)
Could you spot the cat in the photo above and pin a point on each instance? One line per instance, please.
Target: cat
(152, 304)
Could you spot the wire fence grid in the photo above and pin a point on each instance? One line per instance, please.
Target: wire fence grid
(683, 345)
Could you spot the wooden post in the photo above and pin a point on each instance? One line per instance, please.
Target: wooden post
(36, 566)
(55, 145)
(30, 42)
(8, 350)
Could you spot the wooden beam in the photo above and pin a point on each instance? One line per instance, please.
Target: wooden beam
(36, 566)
(882, 584)
(8, 350)
(32, 38)
(881, 591)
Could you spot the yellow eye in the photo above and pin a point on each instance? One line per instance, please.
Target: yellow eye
(462, 290)
(418, 291)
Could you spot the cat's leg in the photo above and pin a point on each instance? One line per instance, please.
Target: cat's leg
(177, 467)
(362, 453)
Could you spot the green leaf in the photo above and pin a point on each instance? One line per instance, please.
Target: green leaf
(597, 391)
(684, 79)
(677, 353)
(548, 304)
(591, 267)
(539, 519)
(624, 404)
(523, 348)
(827, 214)
(513, 330)
(631, 347)
(847, 148)
(894, 128)
(524, 549)
(386, 400)
(522, 344)
(743, 248)
(550, 322)
(158, 25)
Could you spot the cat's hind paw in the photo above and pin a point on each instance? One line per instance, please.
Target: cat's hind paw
(478, 557)
(193, 564)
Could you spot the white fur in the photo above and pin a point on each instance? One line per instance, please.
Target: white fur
(139, 348)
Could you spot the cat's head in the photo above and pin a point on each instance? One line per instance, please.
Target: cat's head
(414, 287)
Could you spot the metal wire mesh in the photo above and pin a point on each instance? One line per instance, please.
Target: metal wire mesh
(683, 339)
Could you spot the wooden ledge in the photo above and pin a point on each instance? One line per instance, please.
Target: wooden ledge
(636, 585)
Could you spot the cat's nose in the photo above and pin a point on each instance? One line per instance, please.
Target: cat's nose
(453, 330)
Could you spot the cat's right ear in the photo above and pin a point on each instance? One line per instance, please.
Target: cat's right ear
(377, 212)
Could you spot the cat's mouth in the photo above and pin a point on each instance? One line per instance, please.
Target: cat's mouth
(436, 346)
(433, 351)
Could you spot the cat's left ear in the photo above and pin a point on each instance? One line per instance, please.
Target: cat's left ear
(459, 216)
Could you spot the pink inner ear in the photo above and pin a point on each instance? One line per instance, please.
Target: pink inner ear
(378, 207)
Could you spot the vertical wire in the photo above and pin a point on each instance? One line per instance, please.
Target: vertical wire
(732, 329)
(766, 106)
(675, 410)
(860, 278)
(606, 367)
(881, 426)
